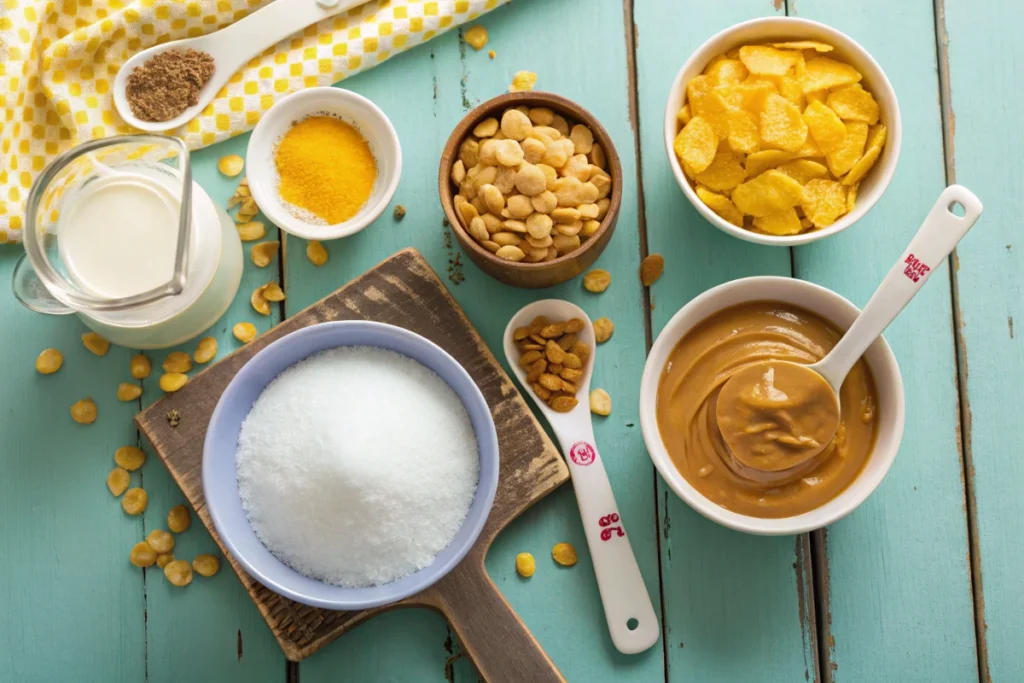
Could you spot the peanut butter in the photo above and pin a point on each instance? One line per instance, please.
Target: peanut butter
(785, 483)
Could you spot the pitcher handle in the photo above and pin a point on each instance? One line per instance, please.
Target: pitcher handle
(31, 291)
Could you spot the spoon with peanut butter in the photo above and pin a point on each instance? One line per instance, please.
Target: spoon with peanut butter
(777, 417)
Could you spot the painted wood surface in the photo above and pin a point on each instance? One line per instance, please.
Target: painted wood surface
(984, 60)
(897, 599)
(914, 525)
(734, 604)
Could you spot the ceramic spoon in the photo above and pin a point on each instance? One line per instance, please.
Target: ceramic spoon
(231, 48)
(935, 240)
(631, 620)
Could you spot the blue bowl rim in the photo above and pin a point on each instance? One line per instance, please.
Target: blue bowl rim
(430, 574)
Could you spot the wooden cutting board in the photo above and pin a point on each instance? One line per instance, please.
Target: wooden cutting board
(402, 291)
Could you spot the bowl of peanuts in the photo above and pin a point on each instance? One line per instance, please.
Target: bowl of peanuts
(531, 185)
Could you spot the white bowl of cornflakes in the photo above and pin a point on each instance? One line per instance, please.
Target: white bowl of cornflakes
(782, 131)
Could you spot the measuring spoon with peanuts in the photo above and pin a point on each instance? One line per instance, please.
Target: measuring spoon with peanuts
(632, 623)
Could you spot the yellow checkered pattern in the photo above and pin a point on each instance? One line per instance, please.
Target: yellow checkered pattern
(58, 59)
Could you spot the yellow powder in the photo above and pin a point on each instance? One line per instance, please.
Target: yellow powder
(326, 168)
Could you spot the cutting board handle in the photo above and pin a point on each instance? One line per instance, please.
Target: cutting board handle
(490, 632)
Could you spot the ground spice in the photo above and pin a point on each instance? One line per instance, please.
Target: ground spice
(163, 87)
(326, 169)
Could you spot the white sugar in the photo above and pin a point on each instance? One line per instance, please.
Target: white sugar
(357, 466)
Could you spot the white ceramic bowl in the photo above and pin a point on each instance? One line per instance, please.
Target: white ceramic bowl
(833, 308)
(758, 31)
(354, 109)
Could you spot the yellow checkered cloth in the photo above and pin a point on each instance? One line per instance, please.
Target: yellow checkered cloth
(58, 59)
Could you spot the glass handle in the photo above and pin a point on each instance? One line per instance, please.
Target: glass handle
(31, 291)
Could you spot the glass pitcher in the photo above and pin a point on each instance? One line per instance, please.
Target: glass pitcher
(119, 234)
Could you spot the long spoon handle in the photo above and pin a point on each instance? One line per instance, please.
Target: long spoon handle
(935, 240)
(632, 622)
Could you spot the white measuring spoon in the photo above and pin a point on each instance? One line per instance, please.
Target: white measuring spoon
(623, 593)
(938, 235)
(231, 48)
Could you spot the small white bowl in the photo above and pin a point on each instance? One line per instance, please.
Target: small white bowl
(830, 306)
(351, 108)
(758, 31)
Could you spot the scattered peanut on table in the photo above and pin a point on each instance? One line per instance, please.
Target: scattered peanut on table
(130, 458)
(476, 37)
(117, 481)
(230, 165)
(134, 501)
(142, 555)
(263, 253)
(600, 402)
(140, 366)
(206, 350)
(523, 80)
(172, 381)
(651, 269)
(178, 572)
(603, 330)
(525, 565)
(95, 343)
(84, 411)
(251, 231)
(206, 565)
(244, 332)
(597, 280)
(163, 559)
(160, 541)
(126, 391)
(178, 519)
(316, 253)
(564, 554)
(177, 361)
(49, 361)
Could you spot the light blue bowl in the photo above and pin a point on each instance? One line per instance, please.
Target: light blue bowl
(220, 482)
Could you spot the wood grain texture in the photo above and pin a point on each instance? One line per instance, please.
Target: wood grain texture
(561, 606)
(737, 607)
(523, 274)
(227, 638)
(985, 57)
(401, 291)
(914, 525)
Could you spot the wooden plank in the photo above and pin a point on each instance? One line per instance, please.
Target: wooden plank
(71, 601)
(984, 57)
(736, 607)
(451, 78)
(890, 561)
(210, 630)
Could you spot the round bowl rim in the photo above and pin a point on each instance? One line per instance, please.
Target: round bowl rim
(476, 518)
(474, 116)
(257, 165)
(822, 516)
(884, 92)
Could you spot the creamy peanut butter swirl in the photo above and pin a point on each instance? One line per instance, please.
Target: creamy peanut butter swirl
(784, 484)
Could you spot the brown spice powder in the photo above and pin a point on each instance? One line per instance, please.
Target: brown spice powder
(166, 85)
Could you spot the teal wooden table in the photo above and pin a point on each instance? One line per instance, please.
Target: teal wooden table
(919, 584)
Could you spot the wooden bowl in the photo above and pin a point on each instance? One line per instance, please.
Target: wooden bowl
(522, 274)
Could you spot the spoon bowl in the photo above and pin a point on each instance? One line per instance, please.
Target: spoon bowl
(776, 417)
(231, 47)
(632, 622)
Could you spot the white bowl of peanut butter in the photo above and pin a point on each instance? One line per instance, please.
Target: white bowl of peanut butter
(727, 329)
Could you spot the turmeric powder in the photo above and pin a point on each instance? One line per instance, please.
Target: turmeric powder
(325, 168)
